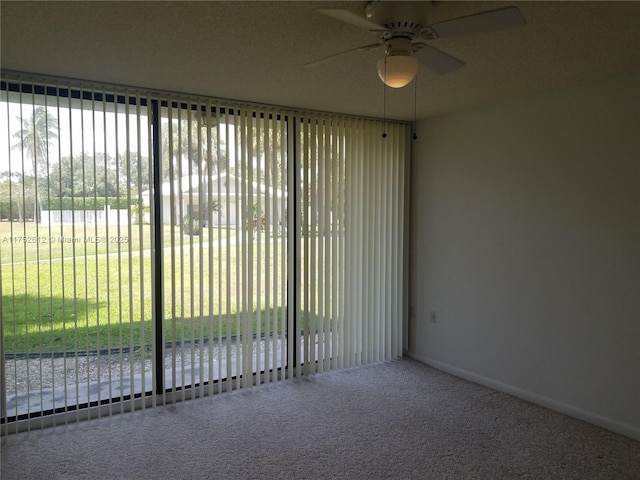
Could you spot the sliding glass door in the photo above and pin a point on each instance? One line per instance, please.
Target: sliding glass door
(224, 218)
(350, 211)
(159, 247)
(75, 248)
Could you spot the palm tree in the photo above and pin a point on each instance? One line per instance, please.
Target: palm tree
(263, 141)
(188, 140)
(34, 140)
(186, 151)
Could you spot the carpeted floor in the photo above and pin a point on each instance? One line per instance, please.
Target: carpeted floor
(400, 420)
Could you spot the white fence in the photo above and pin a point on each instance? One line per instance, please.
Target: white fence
(107, 216)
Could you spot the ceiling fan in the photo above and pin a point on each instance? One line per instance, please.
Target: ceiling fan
(404, 36)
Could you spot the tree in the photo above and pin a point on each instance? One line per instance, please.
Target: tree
(191, 146)
(185, 144)
(12, 204)
(86, 176)
(34, 140)
(267, 138)
(134, 169)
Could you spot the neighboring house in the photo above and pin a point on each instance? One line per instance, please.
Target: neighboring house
(232, 195)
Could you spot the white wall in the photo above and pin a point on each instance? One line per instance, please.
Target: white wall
(525, 232)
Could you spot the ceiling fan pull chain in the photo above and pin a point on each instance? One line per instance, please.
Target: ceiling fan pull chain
(384, 101)
(415, 106)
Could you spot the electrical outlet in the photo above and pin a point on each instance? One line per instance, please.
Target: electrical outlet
(432, 317)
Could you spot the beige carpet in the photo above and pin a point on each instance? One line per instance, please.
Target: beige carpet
(400, 420)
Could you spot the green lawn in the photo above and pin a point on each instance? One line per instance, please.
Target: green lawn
(27, 241)
(102, 299)
(82, 296)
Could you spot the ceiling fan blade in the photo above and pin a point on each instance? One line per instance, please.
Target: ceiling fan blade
(351, 18)
(436, 60)
(330, 57)
(500, 19)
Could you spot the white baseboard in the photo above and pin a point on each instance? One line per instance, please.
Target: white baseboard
(561, 407)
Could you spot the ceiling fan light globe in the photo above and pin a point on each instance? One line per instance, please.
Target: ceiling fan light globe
(397, 71)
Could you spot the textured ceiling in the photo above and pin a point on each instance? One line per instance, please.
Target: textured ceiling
(255, 51)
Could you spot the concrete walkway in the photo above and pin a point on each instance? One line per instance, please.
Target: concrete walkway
(192, 366)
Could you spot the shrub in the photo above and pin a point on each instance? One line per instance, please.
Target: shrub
(191, 225)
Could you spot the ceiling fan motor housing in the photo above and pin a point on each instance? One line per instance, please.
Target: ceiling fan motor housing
(397, 17)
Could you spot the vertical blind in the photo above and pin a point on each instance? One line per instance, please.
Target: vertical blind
(225, 283)
(159, 247)
(350, 210)
(74, 251)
